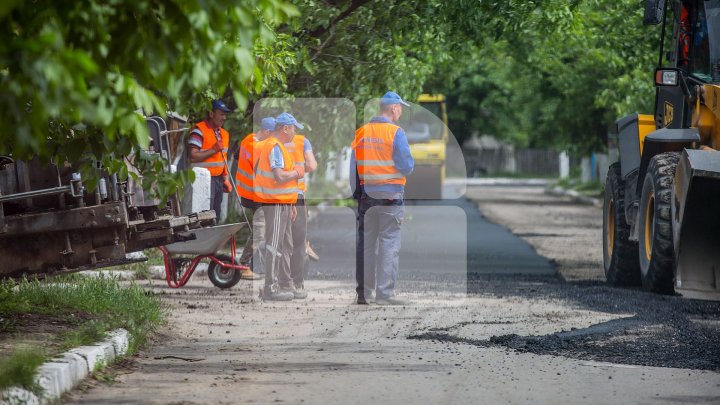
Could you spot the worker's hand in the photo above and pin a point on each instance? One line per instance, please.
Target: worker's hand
(293, 213)
(227, 187)
(300, 171)
(217, 147)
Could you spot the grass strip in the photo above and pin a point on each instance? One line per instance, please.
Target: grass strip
(19, 369)
(91, 306)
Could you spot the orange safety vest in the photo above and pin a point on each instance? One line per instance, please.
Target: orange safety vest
(244, 175)
(373, 148)
(214, 163)
(267, 189)
(296, 148)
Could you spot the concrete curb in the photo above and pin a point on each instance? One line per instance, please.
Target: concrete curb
(156, 273)
(574, 195)
(123, 275)
(64, 372)
(497, 181)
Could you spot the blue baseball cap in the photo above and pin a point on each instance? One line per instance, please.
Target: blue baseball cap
(392, 98)
(268, 124)
(287, 119)
(220, 105)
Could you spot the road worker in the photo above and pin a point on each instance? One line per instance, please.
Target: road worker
(244, 181)
(301, 151)
(380, 161)
(276, 189)
(207, 148)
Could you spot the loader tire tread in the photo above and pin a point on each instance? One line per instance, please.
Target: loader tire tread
(622, 267)
(660, 274)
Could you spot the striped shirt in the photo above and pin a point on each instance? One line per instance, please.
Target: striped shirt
(196, 137)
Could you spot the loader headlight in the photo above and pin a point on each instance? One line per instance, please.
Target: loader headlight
(666, 77)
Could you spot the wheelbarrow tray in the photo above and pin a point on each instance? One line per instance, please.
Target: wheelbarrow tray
(207, 240)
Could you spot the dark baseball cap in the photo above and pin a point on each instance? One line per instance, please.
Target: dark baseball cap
(220, 105)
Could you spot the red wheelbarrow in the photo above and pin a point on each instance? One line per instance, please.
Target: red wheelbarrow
(223, 271)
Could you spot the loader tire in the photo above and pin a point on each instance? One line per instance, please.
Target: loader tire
(655, 236)
(620, 254)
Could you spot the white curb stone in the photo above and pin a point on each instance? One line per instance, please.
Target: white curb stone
(123, 275)
(61, 374)
(496, 181)
(97, 355)
(575, 196)
(120, 339)
(158, 272)
(18, 396)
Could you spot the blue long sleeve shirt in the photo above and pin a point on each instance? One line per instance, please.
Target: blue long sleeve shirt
(402, 158)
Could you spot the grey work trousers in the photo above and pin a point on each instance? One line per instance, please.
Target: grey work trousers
(377, 258)
(299, 254)
(256, 240)
(278, 245)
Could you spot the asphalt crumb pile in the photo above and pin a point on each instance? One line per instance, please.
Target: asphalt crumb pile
(665, 331)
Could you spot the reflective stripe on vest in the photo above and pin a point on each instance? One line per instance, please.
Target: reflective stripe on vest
(373, 147)
(267, 189)
(296, 148)
(244, 176)
(213, 163)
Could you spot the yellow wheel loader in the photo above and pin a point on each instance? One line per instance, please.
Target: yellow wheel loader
(662, 198)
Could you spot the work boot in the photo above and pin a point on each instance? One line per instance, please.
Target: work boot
(361, 300)
(310, 252)
(248, 274)
(298, 293)
(390, 301)
(278, 295)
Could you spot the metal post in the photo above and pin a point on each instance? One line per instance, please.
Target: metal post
(3, 225)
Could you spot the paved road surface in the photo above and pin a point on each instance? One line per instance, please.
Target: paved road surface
(448, 238)
(527, 338)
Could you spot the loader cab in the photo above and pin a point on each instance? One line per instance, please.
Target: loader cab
(704, 63)
(691, 35)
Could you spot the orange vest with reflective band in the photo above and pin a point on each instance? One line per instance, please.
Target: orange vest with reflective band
(296, 148)
(373, 148)
(214, 163)
(267, 189)
(244, 176)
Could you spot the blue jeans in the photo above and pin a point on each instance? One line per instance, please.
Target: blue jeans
(216, 195)
(377, 258)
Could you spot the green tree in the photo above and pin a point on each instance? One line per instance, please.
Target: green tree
(560, 79)
(545, 72)
(361, 48)
(73, 74)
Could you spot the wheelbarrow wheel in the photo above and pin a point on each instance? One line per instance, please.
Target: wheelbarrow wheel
(223, 277)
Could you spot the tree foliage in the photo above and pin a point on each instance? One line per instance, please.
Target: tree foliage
(74, 73)
(562, 84)
(537, 72)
